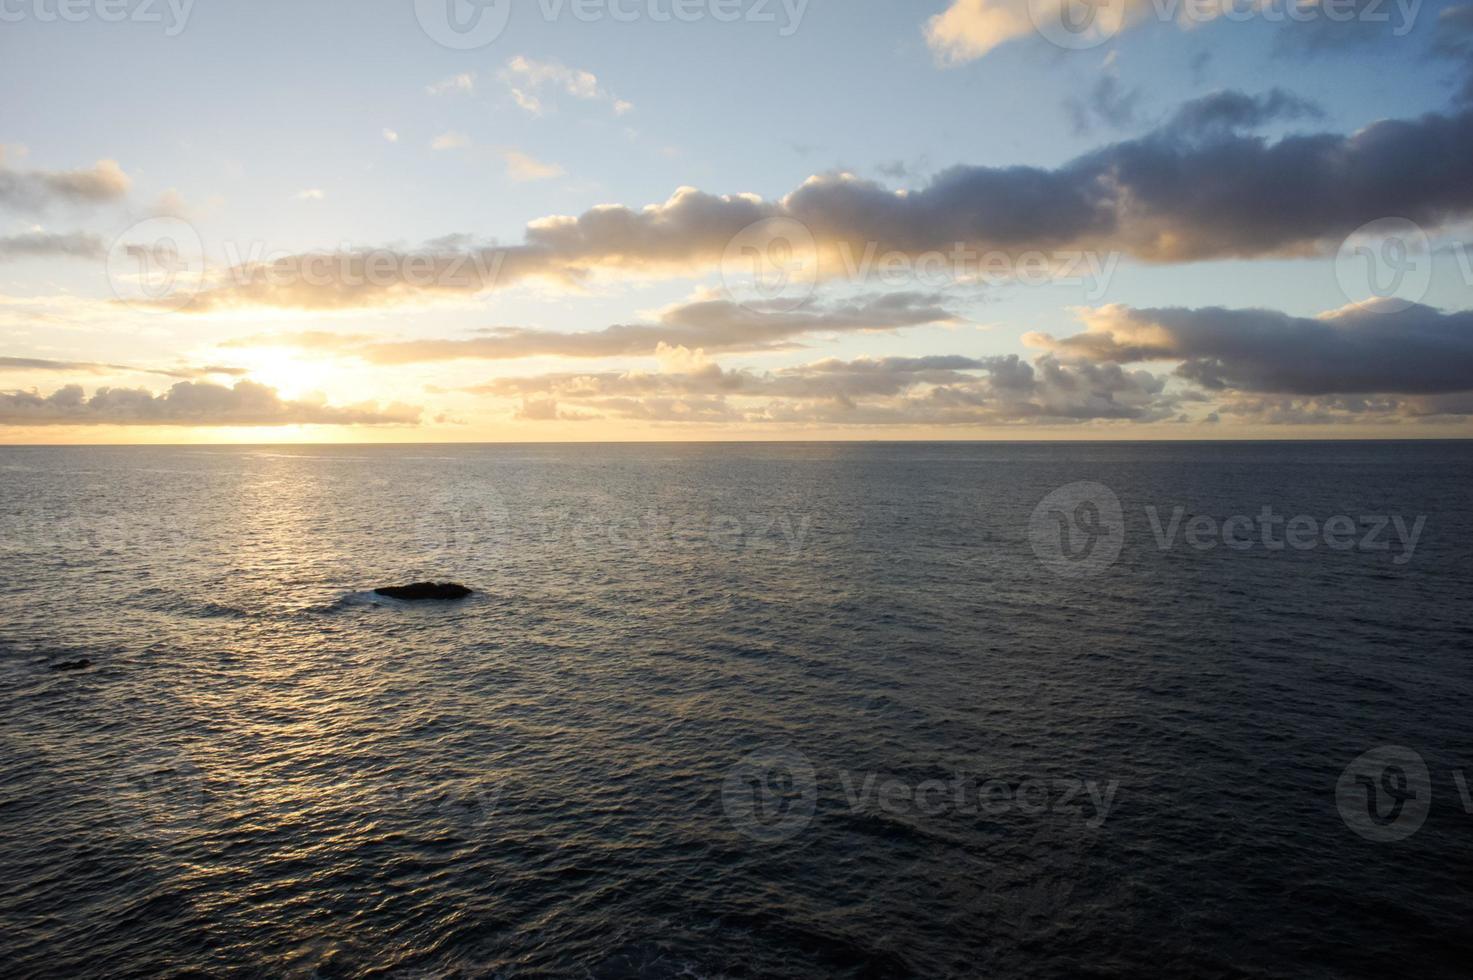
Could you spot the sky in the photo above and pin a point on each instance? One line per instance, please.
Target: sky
(586, 220)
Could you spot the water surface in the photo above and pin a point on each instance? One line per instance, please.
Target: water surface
(681, 729)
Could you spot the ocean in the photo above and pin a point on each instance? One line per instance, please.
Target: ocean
(755, 710)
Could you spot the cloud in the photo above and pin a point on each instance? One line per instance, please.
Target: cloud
(894, 169)
(1346, 409)
(709, 325)
(830, 378)
(1226, 112)
(1363, 363)
(1199, 187)
(92, 367)
(188, 403)
(310, 340)
(1453, 38)
(1109, 103)
(43, 244)
(530, 103)
(1199, 65)
(1361, 349)
(463, 82)
(1454, 32)
(970, 29)
(521, 167)
(1343, 25)
(529, 80)
(33, 191)
(935, 390)
(452, 140)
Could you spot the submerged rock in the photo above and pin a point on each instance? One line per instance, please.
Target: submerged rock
(82, 664)
(425, 592)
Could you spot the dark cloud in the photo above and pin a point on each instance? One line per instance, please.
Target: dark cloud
(1454, 32)
(1198, 187)
(32, 191)
(42, 244)
(822, 379)
(1199, 64)
(1364, 349)
(188, 403)
(1233, 195)
(1344, 25)
(938, 390)
(1225, 112)
(1453, 38)
(1348, 409)
(1108, 102)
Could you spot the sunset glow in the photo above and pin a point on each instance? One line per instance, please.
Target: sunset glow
(541, 238)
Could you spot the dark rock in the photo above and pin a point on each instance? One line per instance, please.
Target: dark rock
(425, 592)
(82, 664)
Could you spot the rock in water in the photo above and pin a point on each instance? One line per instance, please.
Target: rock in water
(425, 592)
